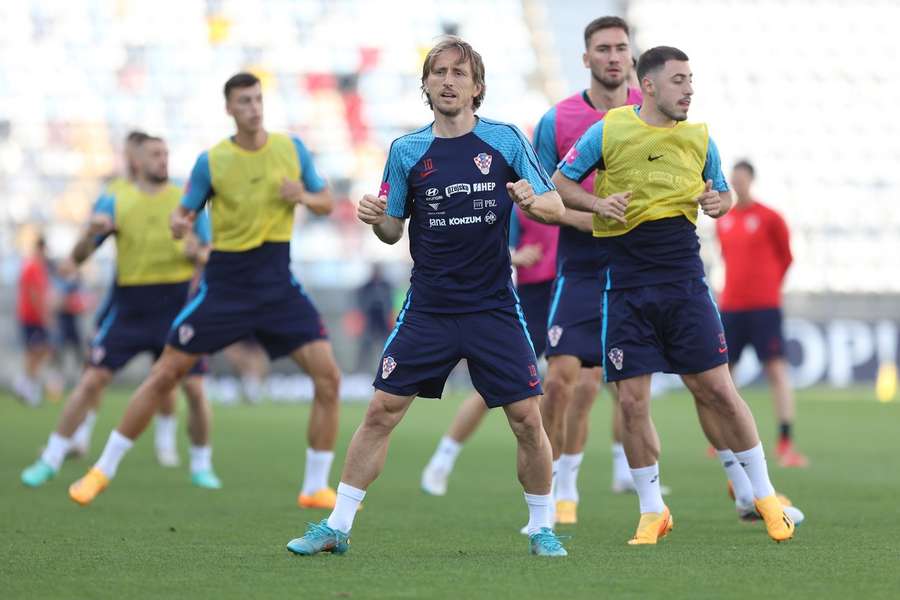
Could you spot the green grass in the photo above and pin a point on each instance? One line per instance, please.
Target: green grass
(152, 535)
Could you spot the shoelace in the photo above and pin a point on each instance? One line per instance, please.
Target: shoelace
(318, 530)
(550, 541)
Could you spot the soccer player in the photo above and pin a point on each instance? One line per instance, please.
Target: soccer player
(533, 254)
(756, 247)
(153, 273)
(456, 180)
(33, 311)
(251, 182)
(574, 328)
(654, 169)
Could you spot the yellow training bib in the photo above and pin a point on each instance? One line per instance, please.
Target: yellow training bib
(661, 166)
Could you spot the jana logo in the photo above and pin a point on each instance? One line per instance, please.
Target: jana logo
(554, 334)
(483, 162)
(432, 192)
(616, 356)
(490, 218)
(388, 364)
(185, 334)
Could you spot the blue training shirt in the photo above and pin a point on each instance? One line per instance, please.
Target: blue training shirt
(453, 190)
(654, 252)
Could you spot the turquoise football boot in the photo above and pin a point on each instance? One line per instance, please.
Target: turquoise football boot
(546, 543)
(319, 537)
(206, 479)
(38, 474)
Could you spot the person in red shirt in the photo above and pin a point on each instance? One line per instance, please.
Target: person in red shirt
(33, 311)
(755, 245)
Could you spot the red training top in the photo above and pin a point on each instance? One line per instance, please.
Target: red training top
(757, 251)
(33, 283)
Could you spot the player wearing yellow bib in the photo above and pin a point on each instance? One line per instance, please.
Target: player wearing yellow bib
(250, 185)
(153, 273)
(653, 170)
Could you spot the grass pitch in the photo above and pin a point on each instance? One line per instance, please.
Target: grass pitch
(152, 535)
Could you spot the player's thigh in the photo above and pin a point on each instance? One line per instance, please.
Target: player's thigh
(631, 338)
(317, 359)
(501, 358)
(694, 339)
(419, 355)
(575, 326)
(766, 333)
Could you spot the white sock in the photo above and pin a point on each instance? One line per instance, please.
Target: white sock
(348, 500)
(113, 453)
(646, 481)
(55, 452)
(567, 476)
(754, 463)
(318, 466)
(743, 489)
(201, 458)
(540, 511)
(82, 436)
(444, 456)
(621, 470)
(164, 430)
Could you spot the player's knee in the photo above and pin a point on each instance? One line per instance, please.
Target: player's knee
(382, 415)
(95, 380)
(166, 375)
(526, 425)
(634, 408)
(328, 384)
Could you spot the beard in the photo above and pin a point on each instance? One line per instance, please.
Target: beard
(607, 82)
(157, 179)
(671, 113)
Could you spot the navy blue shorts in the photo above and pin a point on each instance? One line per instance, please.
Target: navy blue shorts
(669, 327)
(280, 316)
(131, 325)
(760, 328)
(34, 336)
(535, 301)
(575, 325)
(425, 347)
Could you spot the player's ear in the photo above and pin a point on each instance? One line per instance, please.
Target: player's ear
(584, 60)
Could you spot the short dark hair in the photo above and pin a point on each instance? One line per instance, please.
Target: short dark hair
(746, 164)
(655, 58)
(241, 80)
(604, 23)
(467, 54)
(136, 137)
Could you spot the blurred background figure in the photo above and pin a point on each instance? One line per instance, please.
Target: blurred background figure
(249, 359)
(374, 299)
(756, 248)
(72, 304)
(33, 311)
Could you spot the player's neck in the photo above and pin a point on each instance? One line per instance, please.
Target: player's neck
(652, 116)
(744, 201)
(446, 126)
(605, 99)
(251, 140)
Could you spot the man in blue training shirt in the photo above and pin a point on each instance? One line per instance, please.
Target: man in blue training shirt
(456, 180)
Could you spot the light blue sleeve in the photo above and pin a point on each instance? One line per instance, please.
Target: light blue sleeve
(586, 156)
(104, 205)
(199, 186)
(515, 229)
(713, 168)
(312, 181)
(202, 228)
(395, 183)
(545, 141)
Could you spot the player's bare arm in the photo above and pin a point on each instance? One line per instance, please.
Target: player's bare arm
(99, 225)
(526, 256)
(546, 207)
(579, 219)
(576, 197)
(714, 203)
(294, 192)
(371, 211)
(181, 222)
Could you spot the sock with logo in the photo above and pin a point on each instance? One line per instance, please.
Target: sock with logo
(754, 463)
(740, 483)
(646, 482)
